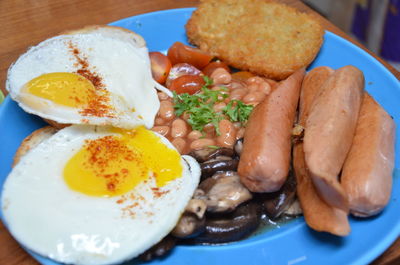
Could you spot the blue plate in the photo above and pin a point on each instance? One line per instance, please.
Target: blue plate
(294, 242)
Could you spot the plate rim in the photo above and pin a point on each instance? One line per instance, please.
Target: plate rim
(366, 257)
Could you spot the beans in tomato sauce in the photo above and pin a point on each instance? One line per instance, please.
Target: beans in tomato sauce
(177, 129)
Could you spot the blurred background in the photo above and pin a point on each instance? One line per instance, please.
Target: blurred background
(374, 23)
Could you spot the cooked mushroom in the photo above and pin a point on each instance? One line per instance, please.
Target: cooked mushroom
(214, 160)
(160, 249)
(188, 226)
(207, 154)
(277, 202)
(294, 209)
(231, 226)
(238, 146)
(224, 192)
(218, 164)
(197, 206)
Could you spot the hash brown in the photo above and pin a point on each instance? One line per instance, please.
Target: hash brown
(261, 36)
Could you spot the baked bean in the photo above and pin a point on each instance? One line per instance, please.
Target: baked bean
(209, 128)
(235, 85)
(254, 80)
(166, 111)
(227, 137)
(221, 76)
(264, 87)
(159, 121)
(222, 90)
(254, 97)
(194, 135)
(237, 94)
(218, 107)
(179, 144)
(163, 130)
(162, 96)
(253, 87)
(179, 128)
(217, 88)
(185, 116)
(240, 133)
(201, 143)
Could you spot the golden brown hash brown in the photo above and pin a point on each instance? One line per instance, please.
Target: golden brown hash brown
(261, 36)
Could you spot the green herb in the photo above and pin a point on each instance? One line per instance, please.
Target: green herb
(236, 110)
(184, 102)
(200, 109)
(208, 81)
(202, 115)
(213, 146)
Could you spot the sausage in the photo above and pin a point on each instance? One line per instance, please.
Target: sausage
(310, 88)
(367, 171)
(330, 130)
(317, 214)
(264, 163)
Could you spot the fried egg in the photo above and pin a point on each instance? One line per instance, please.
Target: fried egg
(98, 76)
(97, 195)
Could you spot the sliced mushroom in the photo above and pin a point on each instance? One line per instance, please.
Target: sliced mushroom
(224, 192)
(160, 249)
(238, 147)
(188, 226)
(196, 206)
(294, 209)
(211, 167)
(276, 203)
(207, 154)
(231, 226)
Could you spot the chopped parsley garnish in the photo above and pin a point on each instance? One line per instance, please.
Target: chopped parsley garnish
(199, 107)
(236, 110)
(208, 81)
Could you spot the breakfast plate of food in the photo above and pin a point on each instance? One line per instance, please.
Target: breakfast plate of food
(155, 154)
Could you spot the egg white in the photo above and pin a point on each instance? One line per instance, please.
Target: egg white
(123, 66)
(45, 216)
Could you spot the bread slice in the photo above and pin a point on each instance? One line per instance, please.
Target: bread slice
(261, 36)
(33, 140)
(112, 32)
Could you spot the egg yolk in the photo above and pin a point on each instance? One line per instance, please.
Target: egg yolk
(67, 89)
(115, 164)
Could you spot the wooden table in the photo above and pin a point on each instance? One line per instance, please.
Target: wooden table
(25, 23)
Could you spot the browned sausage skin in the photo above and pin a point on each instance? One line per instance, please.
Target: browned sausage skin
(367, 171)
(264, 164)
(311, 86)
(330, 130)
(318, 215)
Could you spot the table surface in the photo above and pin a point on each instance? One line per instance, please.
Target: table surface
(26, 23)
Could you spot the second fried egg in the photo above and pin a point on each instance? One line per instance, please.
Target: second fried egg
(99, 77)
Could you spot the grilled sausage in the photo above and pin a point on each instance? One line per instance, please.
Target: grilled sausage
(264, 163)
(311, 86)
(330, 130)
(318, 215)
(367, 171)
